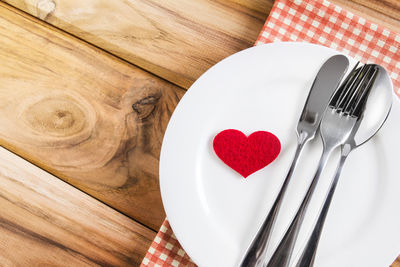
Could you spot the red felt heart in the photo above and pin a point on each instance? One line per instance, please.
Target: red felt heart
(246, 155)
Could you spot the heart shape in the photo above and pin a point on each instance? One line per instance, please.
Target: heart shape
(246, 155)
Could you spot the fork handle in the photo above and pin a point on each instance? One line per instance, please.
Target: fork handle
(308, 255)
(255, 254)
(282, 255)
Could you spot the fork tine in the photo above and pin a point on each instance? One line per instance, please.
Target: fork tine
(350, 97)
(356, 89)
(341, 92)
(360, 104)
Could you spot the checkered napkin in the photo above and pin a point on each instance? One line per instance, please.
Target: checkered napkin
(313, 21)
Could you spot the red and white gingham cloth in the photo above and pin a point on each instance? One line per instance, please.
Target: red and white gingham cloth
(313, 21)
(324, 23)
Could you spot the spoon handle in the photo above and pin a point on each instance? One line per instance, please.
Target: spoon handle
(255, 254)
(308, 255)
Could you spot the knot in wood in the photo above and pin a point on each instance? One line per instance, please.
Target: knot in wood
(145, 106)
(58, 116)
(45, 8)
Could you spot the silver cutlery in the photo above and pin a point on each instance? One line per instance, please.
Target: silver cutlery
(309, 251)
(325, 83)
(337, 125)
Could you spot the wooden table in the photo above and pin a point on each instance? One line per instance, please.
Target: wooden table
(84, 189)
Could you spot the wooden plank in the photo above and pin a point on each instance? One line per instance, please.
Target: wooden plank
(42, 215)
(175, 39)
(67, 107)
(396, 263)
(46, 222)
(385, 13)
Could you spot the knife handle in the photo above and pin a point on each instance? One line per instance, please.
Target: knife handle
(255, 254)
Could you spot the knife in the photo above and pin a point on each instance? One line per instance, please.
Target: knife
(322, 89)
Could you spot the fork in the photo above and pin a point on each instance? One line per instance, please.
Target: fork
(336, 126)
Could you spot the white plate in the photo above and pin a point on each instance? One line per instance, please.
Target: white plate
(214, 212)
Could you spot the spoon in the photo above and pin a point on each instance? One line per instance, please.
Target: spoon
(380, 99)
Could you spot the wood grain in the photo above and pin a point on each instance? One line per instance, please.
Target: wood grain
(175, 39)
(46, 222)
(385, 13)
(67, 107)
(396, 263)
